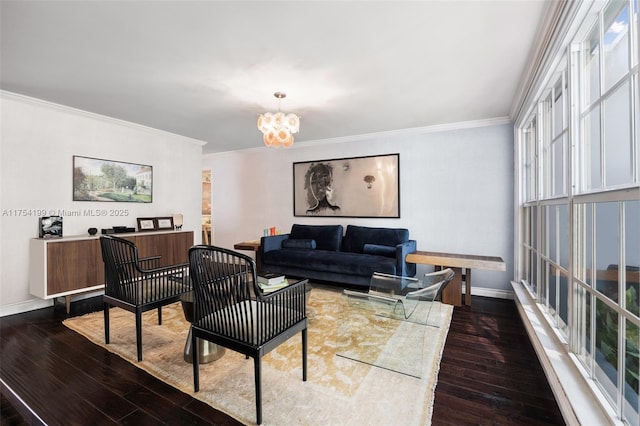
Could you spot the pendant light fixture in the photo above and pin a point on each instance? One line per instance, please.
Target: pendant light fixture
(278, 128)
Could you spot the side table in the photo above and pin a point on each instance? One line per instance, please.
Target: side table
(253, 245)
(453, 293)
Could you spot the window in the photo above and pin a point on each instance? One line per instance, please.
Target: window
(579, 246)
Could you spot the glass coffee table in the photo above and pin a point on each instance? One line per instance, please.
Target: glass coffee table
(386, 325)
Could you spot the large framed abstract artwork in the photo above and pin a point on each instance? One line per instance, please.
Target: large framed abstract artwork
(348, 187)
(106, 180)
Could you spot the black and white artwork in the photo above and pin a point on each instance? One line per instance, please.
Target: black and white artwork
(348, 187)
(50, 227)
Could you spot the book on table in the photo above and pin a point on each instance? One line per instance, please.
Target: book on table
(268, 288)
(269, 278)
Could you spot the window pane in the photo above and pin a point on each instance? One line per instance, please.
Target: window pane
(563, 235)
(591, 152)
(534, 227)
(636, 94)
(547, 156)
(553, 252)
(588, 324)
(553, 287)
(591, 68)
(607, 348)
(558, 167)
(588, 244)
(558, 111)
(616, 42)
(607, 249)
(632, 255)
(529, 167)
(581, 314)
(563, 308)
(635, 17)
(534, 243)
(543, 281)
(617, 138)
(534, 273)
(630, 411)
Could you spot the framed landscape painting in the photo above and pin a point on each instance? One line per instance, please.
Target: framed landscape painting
(106, 180)
(348, 187)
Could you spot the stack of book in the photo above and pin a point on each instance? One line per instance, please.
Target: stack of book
(269, 282)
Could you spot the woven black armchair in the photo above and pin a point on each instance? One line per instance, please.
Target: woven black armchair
(227, 313)
(138, 285)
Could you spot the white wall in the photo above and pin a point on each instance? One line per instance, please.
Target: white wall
(456, 191)
(38, 140)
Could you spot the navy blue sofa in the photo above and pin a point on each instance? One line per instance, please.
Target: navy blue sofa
(321, 252)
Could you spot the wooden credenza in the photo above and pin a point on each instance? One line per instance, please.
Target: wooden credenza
(71, 265)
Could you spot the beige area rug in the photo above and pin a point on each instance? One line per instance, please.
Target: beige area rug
(338, 391)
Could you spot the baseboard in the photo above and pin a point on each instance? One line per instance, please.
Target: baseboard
(495, 293)
(33, 304)
(27, 305)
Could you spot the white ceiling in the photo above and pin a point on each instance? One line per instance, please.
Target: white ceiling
(206, 69)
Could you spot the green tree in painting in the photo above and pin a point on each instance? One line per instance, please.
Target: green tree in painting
(80, 190)
(115, 175)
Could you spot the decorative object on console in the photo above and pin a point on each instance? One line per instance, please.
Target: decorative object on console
(163, 223)
(178, 221)
(146, 224)
(278, 128)
(118, 230)
(50, 227)
(92, 231)
(105, 180)
(334, 187)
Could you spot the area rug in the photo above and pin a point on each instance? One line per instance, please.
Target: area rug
(338, 390)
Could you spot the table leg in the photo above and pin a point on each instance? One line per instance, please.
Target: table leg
(467, 287)
(258, 260)
(452, 294)
(207, 351)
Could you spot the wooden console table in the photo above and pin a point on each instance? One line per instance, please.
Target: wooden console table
(63, 267)
(452, 294)
(253, 245)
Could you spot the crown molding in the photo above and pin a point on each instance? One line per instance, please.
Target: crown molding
(438, 128)
(82, 113)
(539, 53)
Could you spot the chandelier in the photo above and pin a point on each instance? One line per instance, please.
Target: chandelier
(278, 128)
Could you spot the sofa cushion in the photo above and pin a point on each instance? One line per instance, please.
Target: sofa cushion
(357, 236)
(327, 237)
(299, 243)
(330, 261)
(379, 250)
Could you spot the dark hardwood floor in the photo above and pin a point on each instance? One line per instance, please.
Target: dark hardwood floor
(489, 375)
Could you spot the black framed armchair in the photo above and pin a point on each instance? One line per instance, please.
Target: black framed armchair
(231, 311)
(138, 285)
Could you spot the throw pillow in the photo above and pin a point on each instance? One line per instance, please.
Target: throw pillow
(299, 243)
(379, 250)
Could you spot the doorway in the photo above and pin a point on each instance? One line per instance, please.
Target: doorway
(207, 220)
